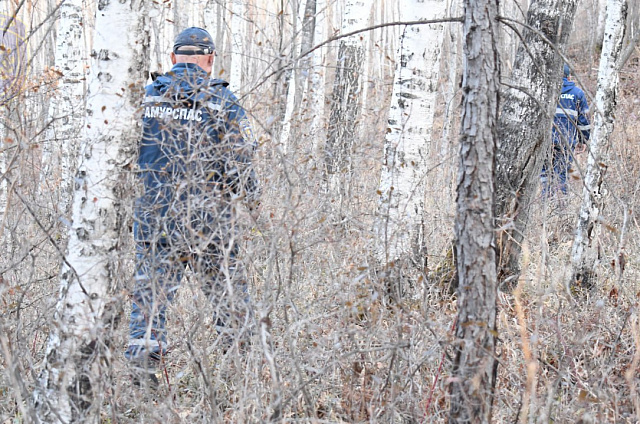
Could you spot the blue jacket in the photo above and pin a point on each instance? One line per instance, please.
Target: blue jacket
(571, 122)
(194, 156)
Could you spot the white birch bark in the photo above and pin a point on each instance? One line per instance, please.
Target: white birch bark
(601, 12)
(317, 91)
(237, 44)
(378, 37)
(66, 109)
(208, 16)
(307, 19)
(181, 12)
(219, 68)
(407, 157)
(295, 86)
(14, 59)
(5, 150)
(584, 255)
(509, 40)
(366, 63)
(288, 115)
(79, 334)
(162, 34)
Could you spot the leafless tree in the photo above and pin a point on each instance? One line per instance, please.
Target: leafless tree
(585, 250)
(88, 308)
(345, 100)
(408, 147)
(474, 368)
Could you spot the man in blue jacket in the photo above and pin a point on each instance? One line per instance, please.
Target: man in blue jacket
(195, 170)
(571, 130)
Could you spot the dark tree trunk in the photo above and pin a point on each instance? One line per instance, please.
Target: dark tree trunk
(474, 370)
(345, 107)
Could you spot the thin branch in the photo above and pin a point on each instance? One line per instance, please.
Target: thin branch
(628, 51)
(525, 45)
(591, 98)
(349, 34)
(53, 243)
(383, 25)
(528, 93)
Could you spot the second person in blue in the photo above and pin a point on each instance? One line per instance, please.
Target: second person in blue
(571, 131)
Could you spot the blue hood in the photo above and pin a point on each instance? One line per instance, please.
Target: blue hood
(567, 85)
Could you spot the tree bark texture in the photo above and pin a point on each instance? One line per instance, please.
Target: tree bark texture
(238, 35)
(524, 127)
(345, 100)
(220, 23)
(408, 157)
(475, 365)
(452, 49)
(163, 33)
(306, 43)
(584, 253)
(67, 105)
(297, 84)
(13, 70)
(316, 95)
(86, 313)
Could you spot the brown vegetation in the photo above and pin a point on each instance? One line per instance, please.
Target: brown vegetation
(331, 346)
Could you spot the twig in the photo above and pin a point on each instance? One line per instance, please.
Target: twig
(629, 374)
(348, 34)
(530, 362)
(433, 386)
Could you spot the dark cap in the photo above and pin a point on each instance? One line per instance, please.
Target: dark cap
(194, 41)
(567, 70)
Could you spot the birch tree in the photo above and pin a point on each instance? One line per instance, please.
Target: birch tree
(584, 252)
(317, 77)
(67, 105)
(524, 126)
(407, 147)
(13, 60)
(509, 39)
(237, 44)
(345, 100)
(87, 308)
(162, 33)
(451, 44)
(633, 33)
(296, 85)
(181, 13)
(474, 370)
(307, 39)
